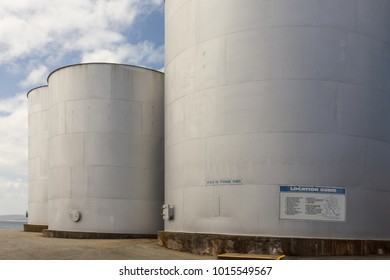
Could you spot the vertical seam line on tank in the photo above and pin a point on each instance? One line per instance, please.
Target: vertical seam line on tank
(65, 123)
(178, 9)
(111, 91)
(70, 182)
(337, 108)
(226, 55)
(141, 118)
(196, 22)
(205, 158)
(84, 150)
(356, 15)
(383, 67)
(365, 161)
(86, 168)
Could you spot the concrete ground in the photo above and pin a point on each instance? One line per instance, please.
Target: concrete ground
(19, 245)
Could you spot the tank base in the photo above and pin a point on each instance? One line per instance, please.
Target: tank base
(215, 244)
(93, 235)
(34, 228)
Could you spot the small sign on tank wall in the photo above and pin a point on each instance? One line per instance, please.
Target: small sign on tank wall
(228, 181)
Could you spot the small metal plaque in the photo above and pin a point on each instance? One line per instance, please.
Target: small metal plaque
(74, 215)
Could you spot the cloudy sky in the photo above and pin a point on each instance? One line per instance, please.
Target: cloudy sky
(39, 36)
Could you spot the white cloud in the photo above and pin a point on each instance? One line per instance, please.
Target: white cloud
(63, 26)
(13, 196)
(48, 31)
(13, 151)
(35, 77)
(13, 131)
(140, 54)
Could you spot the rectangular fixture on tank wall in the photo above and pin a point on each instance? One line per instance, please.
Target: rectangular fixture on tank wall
(216, 206)
(313, 203)
(168, 212)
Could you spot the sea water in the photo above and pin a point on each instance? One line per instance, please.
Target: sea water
(16, 225)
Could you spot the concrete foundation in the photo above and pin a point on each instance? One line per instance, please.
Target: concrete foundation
(93, 235)
(214, 244)
(34, 228)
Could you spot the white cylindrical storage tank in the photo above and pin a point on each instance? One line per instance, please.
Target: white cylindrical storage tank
(278, 118)
(38, 161)
(106, 149)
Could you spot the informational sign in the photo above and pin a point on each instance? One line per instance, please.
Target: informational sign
(218, 182)
(312, 203)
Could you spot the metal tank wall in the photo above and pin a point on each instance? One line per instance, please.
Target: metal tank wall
(106, 149)
(38, 160)
(277, 93)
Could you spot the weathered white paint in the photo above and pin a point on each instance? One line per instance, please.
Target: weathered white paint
(277, 92)
(106, 148)
(38, 160)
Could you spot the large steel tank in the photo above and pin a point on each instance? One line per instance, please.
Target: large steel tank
(38, 160)
(106, 149)
(278, 113)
